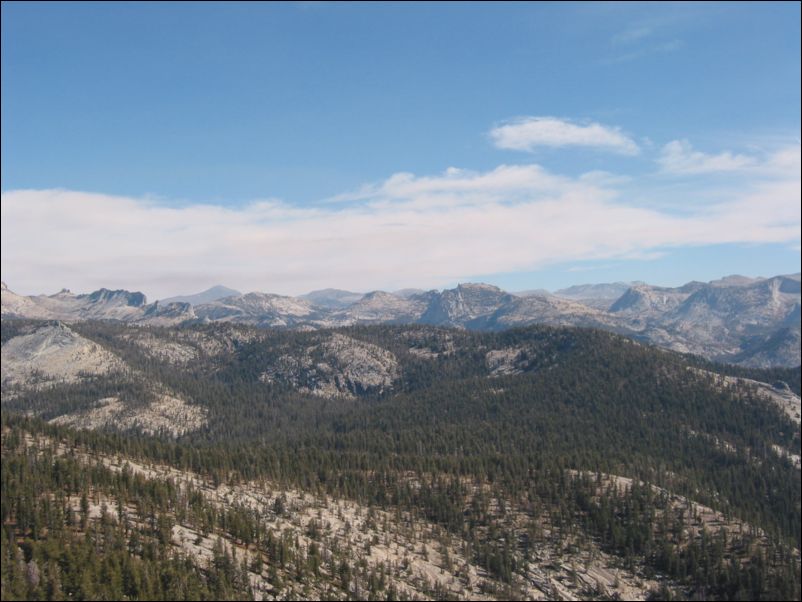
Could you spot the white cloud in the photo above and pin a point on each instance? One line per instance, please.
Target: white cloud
(527, 133)
(405, 231)
(678, 157)
(785, 160)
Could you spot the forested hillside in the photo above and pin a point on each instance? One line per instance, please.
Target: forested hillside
(523, 463)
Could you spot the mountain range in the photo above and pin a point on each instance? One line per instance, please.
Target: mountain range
(749, 321)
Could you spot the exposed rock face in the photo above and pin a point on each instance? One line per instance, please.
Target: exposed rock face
(753, 322)
(260, 309)
(168, 351)
(167, 414)
(379, 306)
(364, 367)
(457, 307)
(429, 344)
(523, 311)
(643, 301)
(339, 365)
(222, 339)
(103, 304)
(599, 296)
(750, 321)
(118, 297)
(501, 362)
(167, 314)
(406, 293)
(734, 280)
(781, 347)
(555, 572)
(54, 353)
(765, 302)
(19, 306)
(778, 394)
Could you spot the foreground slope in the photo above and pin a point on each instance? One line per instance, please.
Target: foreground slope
(290, 544)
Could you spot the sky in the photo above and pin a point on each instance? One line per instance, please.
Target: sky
(286, 147)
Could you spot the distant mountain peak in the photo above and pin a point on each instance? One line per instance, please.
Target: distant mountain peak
(332, 298)
(479, 286)
(378, 295)
(601, 294)
(330, 291)
(209, 295)
(735, 280)
(408, 292)
(118, 296)
(753, 321)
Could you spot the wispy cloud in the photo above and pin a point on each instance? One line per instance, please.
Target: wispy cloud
(679, 157)
(528, 133)
(654, 36)
(590, 268)
(407, 230)
(632, 34)
(654, 48)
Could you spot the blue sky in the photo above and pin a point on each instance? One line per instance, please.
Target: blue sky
(285, 147)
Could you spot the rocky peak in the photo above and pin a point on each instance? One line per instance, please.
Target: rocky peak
(648, 300)
(734, 280)
(339, 366)
(213, 294)
(380, 306)
(606, 290)
(761, 301)
(477, 287)
(117, 297)
(171, 310)
(788, 284)
(467, 302)
(264, 309)
(53, 352)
